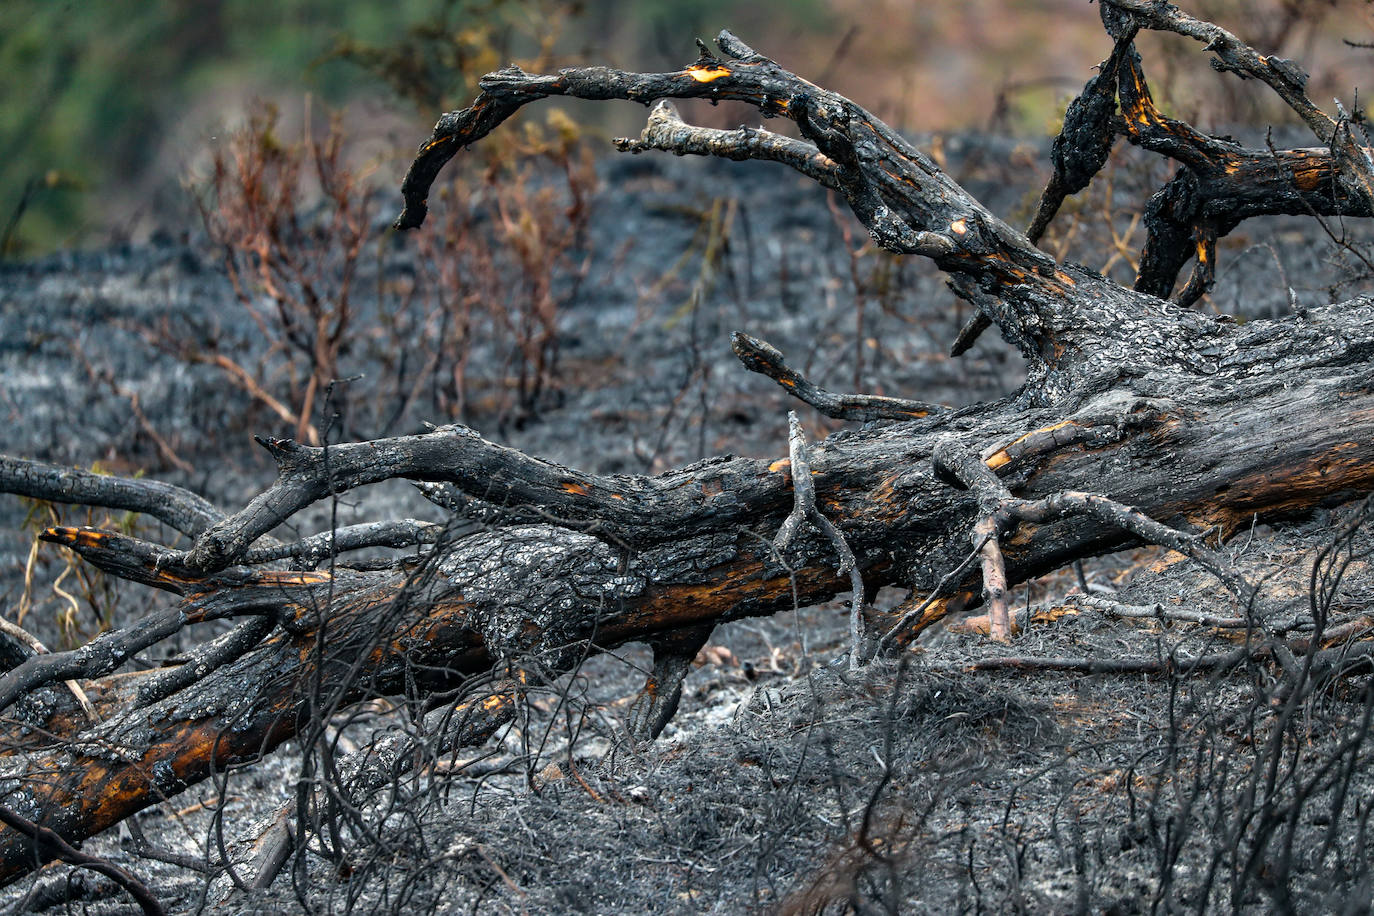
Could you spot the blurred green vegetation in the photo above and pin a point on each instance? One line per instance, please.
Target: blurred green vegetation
(92, 93)
(104, 107)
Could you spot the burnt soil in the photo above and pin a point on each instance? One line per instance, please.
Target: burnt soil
(785, 783)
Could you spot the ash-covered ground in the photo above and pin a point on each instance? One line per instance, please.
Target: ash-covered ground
(785, 783)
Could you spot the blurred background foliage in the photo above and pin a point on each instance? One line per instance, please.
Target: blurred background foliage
(106, 109)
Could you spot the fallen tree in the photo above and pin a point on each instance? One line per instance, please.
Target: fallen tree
(1142, 421)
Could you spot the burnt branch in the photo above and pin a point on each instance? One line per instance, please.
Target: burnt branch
(1140, 421)
(762, 357)
(905, 201)
(1219, 185)
(50, 845)
(804, 512)
(183, 510)
(1285, 77)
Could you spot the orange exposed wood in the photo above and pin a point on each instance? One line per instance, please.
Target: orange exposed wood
(705, 74)
(1001, 457)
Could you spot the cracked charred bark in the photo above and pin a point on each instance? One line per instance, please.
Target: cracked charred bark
(1192, 421)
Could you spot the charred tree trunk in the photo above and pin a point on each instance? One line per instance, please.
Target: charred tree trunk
(1142, 420)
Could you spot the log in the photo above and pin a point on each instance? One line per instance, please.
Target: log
(1141, 421)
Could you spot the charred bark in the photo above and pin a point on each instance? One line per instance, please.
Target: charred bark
(1142, 420)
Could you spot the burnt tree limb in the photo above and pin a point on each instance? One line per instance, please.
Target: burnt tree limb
(545, 592)
(1197, 425)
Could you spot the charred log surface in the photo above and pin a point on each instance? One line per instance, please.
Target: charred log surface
(1257, 450)
(1173, 424)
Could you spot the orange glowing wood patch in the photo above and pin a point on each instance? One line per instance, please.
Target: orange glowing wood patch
(1001, 457)
(76, 537)
(782, 464)
(576, 489)
(305, 577)
(1307, 179)
(707, 74)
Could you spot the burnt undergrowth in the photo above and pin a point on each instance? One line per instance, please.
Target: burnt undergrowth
(786, 783)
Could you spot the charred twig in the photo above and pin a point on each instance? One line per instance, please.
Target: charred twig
(183, 510)
(443, 731)
(666, 131)
(137, 844)
(319, 547)
(804, 511)
(51, 845)
(762, 357)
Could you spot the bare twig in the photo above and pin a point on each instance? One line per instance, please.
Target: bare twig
(51, 845)
(183, 510)
(443, 731)
(667, 131)
(804, 510)
(762, 357)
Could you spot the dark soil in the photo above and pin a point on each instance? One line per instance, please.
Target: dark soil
(784, 783)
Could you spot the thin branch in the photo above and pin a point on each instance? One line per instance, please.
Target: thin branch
(51, 845)
(1157, 612)
(666, 131)
(762, 357)
(805, 510)
(315, 549)
(183, 510)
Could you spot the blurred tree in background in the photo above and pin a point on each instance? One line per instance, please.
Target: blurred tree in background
(105, 107)
(91, 95)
